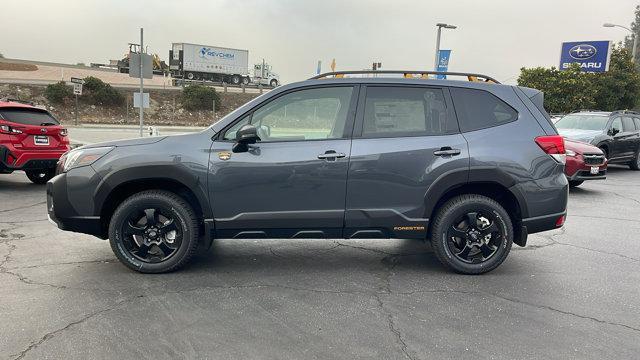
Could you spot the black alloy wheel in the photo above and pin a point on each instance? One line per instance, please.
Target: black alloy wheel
(471, 234)
(154, 231)
(474, 237)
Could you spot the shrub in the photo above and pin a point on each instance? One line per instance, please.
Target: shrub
(199, 97)
(93, 83)
(101, 93)
(58, 92)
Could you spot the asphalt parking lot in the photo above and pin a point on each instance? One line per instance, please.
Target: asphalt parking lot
(572, 293)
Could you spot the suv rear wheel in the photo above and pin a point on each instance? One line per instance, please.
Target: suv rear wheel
(40, 176)
(472, 234)
(154, 231)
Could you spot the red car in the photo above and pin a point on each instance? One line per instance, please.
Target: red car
(584, 162)
(31, 140)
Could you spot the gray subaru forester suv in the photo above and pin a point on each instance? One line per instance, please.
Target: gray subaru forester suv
(471, 166)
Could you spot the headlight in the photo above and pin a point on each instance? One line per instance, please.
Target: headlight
(82, 157)
(570, 152)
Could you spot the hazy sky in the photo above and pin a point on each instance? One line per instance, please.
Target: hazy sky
(495, 37)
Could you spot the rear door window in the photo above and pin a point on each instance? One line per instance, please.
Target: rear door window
(406, 111)
(28, 116)
(479, 109)
(628, 125)
(637, 121)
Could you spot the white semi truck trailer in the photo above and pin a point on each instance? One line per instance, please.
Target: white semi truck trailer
(212, 63)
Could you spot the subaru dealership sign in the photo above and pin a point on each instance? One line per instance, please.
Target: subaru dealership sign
(592, 56)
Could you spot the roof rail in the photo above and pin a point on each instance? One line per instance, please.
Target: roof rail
(8, 99)
(585, 110)
(423, 74)
(625, 112)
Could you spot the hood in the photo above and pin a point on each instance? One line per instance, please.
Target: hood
(579, 134)
(127, 142)
(580, 147)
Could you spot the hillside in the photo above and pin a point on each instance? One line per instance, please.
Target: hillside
(165, 109)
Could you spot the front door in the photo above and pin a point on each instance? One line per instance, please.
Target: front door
(291, 183)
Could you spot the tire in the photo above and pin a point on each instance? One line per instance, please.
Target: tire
(235, 79)
(575, 183)
(273, 83)
(191, 76)
(246, 80)
(496, 237)
(635, 163)
(40, 176)
(145, 245)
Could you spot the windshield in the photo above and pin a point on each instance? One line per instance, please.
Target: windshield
(27, 116)
(583, 122)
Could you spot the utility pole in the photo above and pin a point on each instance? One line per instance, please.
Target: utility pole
(141, 83)
(437, 55)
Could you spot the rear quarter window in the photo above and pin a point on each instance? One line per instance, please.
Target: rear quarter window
(27, 116)
(479, 109)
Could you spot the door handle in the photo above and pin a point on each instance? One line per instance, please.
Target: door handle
(331, 155)
(446, 151)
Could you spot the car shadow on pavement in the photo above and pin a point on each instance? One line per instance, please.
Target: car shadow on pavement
(314, 255)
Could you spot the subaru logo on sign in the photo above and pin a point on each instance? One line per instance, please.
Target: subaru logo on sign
(590, 56)
(582, 51)
(209, 52)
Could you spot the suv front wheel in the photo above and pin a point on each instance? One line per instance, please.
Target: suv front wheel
(472, 234)
(154, 231)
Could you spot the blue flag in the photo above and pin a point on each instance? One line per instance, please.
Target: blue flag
(443, 62)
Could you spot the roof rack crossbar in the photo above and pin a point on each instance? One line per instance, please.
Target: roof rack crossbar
(405, 73)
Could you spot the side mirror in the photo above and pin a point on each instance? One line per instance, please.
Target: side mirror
(248, 134)
(613, 131)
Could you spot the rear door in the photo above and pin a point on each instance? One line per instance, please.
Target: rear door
(404, 139)
(39, 130)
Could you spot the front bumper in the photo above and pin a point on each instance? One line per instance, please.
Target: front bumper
(577, 170)
(62, 213)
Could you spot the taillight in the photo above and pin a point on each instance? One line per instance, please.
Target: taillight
(554, 146)
(561, 221)
(6, 129)
(63, 132)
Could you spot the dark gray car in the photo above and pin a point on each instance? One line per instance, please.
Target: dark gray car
(470, 166)
(616, 133)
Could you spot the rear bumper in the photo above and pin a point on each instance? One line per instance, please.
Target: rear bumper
(543, 223)
(18, 159)
(62, 213)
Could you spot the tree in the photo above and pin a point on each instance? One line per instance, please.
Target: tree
(564, 91)
(635, 27)
(572, 89)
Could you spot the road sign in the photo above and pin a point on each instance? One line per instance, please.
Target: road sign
(145, 100)
(592, 56)
(443, 62)
(77, 88)
(77, 80)
(134, 65)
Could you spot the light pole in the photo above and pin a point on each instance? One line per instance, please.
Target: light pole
(440, 26)
(635, 39)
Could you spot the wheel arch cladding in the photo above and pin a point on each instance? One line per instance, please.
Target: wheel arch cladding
(491, 189)
(116, 188)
